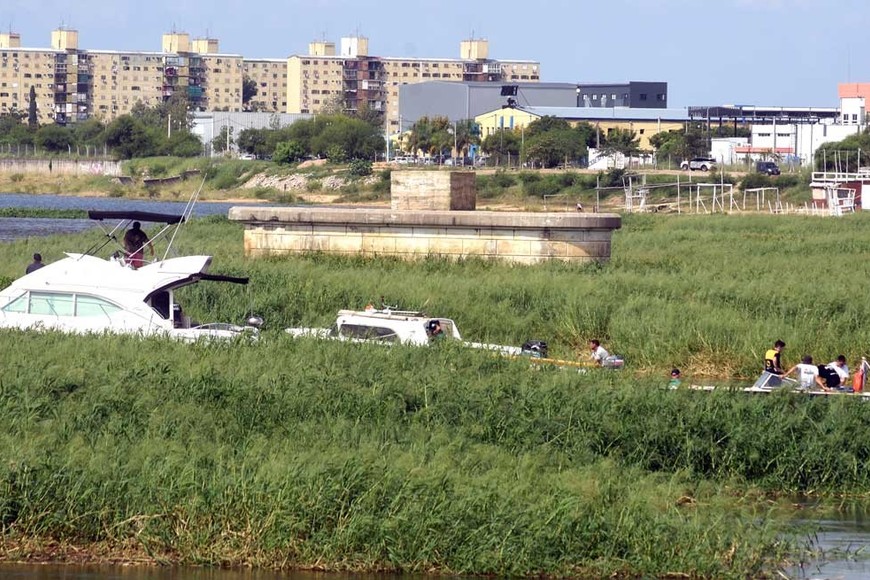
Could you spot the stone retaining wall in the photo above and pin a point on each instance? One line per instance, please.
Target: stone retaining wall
(61, 166)
(524, 238)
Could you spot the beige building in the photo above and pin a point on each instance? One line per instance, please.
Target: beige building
(360, 80)
(270, 77)
(74, 84)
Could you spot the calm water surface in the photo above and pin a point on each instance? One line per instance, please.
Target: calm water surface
(18, 228)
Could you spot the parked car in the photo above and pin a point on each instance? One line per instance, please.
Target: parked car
(699, 164)
(767, 168)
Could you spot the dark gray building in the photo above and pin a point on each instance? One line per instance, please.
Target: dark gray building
(634, 94)
(466, 100)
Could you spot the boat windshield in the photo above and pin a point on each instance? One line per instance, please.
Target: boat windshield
(367, 332)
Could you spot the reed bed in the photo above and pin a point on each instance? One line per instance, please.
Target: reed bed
(299, 453)
(354, 457)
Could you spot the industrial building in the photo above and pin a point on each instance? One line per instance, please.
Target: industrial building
(644, 122)
(467, 100)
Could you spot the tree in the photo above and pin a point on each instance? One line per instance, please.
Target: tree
(128, 138)
(32, 119)
(288, 152)
(622, 141)
(503, 144)
(89, 132)
(681, 144)
(182, 144)
(555, 146)
(249, 90)
(846, 155)
(545, 125)
(12, 129)
(254, 141)
(53, 138)
(220, 143)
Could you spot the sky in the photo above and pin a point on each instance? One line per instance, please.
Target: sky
(789, 53)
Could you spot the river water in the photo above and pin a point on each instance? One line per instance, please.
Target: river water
(839, 540)
(18, 228)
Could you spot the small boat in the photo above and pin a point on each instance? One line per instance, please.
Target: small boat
(84, 293)
(394, 326)
(769, 383)
(387, 325)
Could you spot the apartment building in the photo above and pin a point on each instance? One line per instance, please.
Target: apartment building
(270, 77)
(358, 80)
(73, 85)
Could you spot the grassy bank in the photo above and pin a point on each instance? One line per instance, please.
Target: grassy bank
(301, 453)
(324, 183)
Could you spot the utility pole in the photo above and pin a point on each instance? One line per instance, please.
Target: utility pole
(169, 126)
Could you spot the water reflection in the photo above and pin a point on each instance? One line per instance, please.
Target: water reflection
(839, 545)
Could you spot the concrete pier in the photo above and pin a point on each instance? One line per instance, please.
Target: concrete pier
(516, 237)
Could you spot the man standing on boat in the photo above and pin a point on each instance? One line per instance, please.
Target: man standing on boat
(135, 241)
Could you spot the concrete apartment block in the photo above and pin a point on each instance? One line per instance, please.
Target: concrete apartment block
(521, 238)
(433, 190)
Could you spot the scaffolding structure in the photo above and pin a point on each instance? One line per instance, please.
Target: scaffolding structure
(719, 194)
(764, 197)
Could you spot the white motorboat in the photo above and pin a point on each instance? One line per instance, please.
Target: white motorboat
(415, 328)
(391, 326)
(84, 293)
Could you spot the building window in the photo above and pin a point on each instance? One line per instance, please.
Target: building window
(643, 96)
(612, 96)
(660, 97)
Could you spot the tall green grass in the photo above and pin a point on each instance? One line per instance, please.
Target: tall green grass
(305, 453)
(706, 293)
(299, 453)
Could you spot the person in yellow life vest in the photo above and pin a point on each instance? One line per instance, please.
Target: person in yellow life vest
(773, 360)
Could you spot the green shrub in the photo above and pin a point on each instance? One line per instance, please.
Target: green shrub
(313, 185)
(336, 154)
(789, 180)
(541, 187)
(528, 177)
(755, 180)
(360, 167)
(384, 182)
(612, 177)
(16, 177)
(503, 179)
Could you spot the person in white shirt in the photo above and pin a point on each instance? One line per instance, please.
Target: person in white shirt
(836, 373)
(808, 374)
(598, 352)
